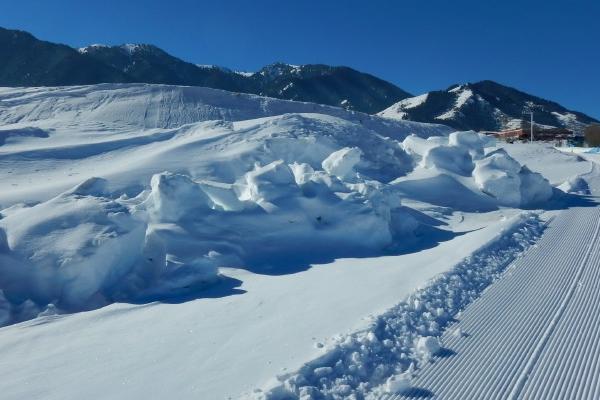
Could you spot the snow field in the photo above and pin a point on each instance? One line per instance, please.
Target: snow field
(175, 203)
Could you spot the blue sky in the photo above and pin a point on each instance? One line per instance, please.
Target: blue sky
(548, 48)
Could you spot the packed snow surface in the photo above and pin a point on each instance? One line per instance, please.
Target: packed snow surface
(382, 359)
(190, 196)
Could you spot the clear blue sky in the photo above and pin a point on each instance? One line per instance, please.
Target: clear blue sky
(549, 48)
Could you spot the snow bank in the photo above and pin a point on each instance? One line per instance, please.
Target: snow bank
(146, 106)
(462, 155)
(286, 184)
(381, 360)
(84, 249)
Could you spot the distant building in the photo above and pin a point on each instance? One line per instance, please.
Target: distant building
(542, 133)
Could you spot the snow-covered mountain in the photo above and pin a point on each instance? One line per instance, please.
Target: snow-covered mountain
(484, 105)
(27, 61)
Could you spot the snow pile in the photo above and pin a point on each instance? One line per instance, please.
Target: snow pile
(454, 153)
(262, 193)
(69, 250)
(472, 141)
(417, 147)
(511, 184)
(461, 155)
(382, 359)
(86, 247)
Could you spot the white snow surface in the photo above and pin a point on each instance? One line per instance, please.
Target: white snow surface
(236, 229)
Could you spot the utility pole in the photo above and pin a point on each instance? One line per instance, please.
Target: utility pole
(531, 126)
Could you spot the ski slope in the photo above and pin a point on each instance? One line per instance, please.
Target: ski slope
(533, 334)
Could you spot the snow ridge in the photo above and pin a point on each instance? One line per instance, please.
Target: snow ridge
(382, 360)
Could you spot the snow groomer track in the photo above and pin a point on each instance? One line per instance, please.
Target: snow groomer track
(535, 333)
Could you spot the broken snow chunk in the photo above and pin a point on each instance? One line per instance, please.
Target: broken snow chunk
(268, 183)
(341, 163)
(450, 158)
(398, 384)
(470, 140)
(417, 146)
(222, 195)
(322, 371)
(175, 195)
(428, 346)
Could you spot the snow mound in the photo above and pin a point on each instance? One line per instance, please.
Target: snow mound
(71, 250)
(454, 153)
(511, 184)
(417, 146)
(84, 248)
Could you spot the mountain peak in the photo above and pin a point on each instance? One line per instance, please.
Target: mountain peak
(485, 105)
(278, 69)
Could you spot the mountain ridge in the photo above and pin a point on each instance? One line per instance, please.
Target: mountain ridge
(33, 62)
(484, 105)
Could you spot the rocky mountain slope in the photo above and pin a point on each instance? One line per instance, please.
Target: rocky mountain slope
(485, 105)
